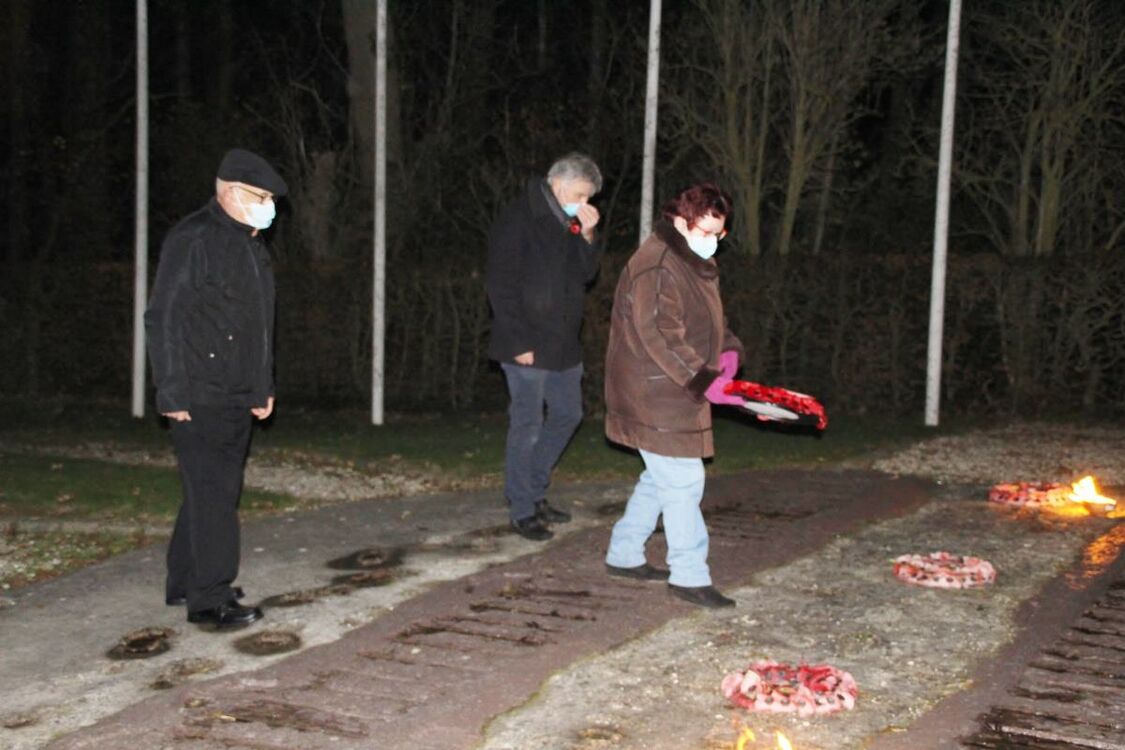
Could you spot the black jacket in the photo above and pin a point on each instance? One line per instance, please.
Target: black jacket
(536, 279)
(209, 323)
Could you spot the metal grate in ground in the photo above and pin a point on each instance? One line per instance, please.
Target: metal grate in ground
(1072, 695)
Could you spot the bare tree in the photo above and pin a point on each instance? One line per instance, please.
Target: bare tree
(722, 101)
(359, 30)
(830, 48)
(1041, 150)
(16, 44)
(768, 91)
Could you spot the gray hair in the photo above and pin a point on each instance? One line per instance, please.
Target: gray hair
(576, 166)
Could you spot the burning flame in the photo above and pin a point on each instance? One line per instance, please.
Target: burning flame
(747, 736)
(1085, 490)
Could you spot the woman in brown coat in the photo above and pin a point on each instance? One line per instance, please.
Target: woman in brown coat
(670, 354)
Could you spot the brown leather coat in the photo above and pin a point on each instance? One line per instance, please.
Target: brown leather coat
(665, 339)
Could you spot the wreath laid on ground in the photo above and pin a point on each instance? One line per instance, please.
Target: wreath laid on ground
(805, 690)
(944, 570)
(1032, 494)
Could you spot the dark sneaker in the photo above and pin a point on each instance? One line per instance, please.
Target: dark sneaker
(703, 596)
(548, 514)
(181, 600)
(532, 528)
(641, 572)
(225, 616)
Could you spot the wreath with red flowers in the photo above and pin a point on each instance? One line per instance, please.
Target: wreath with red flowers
(944, 570)
(1033, 494)
(779, 404)
(805, 690)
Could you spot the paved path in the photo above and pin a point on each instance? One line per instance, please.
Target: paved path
(1060, 684)
(431, 673)
(476, 622)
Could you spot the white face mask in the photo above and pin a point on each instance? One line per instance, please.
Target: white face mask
(704, 247)
(258, 215)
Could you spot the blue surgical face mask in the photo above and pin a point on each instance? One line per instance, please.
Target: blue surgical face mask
(571, 209)
(258, 215)
(704, 247)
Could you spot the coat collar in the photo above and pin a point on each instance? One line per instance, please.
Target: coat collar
(219, 214)
(543, 203)
(668, 234)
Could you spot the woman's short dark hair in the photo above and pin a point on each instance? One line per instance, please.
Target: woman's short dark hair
(696, 202)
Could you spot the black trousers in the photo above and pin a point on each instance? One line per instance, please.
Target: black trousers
(204, 551)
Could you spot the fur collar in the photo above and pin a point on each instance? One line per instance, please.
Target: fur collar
(671, 237)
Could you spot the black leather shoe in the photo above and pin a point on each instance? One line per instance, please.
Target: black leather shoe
(229, 615)
(641, 572)
(179, 601)
(548, 514)
(703, 596)
(532, 528)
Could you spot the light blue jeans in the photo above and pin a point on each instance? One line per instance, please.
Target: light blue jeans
(673, 487)
(535, 442)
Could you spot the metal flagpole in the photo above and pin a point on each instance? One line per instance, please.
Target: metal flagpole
(651, 91)
(140, 235)
(941, 220)
(378, 319)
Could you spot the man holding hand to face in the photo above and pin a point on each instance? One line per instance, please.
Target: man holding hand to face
(542, 255)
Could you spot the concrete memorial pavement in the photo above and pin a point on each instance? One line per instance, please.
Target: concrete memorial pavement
(471, 637)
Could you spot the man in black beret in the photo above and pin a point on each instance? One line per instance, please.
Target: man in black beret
(209, 327)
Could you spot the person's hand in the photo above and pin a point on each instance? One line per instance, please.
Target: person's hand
(715, 395)
(527, 359)
(263, 412)
(728, 366)
(177, 416)
(589, 218)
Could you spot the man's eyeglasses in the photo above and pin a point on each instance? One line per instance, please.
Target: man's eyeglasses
(262, 197)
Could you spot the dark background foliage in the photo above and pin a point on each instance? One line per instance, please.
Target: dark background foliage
(820, 118)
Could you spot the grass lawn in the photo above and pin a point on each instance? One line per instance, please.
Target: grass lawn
(78, 489)
(451, 448)
(33, 556)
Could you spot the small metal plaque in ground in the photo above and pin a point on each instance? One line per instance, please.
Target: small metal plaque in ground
(366, 578)
(281, 715)
(599, 737)
(142, 644)
(19, 720)
(268, 642)
(610, 509)
(306, 596)
(180, 670)
(367, 559)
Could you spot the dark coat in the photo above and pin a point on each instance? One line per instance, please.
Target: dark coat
(536, 280)
(209, 323)
(665, 338)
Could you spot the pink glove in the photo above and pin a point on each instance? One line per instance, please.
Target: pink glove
(728, 366)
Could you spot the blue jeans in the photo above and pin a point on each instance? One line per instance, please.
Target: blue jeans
(535, 443)
(673, 487)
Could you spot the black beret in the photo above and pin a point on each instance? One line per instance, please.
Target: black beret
(240, 165)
